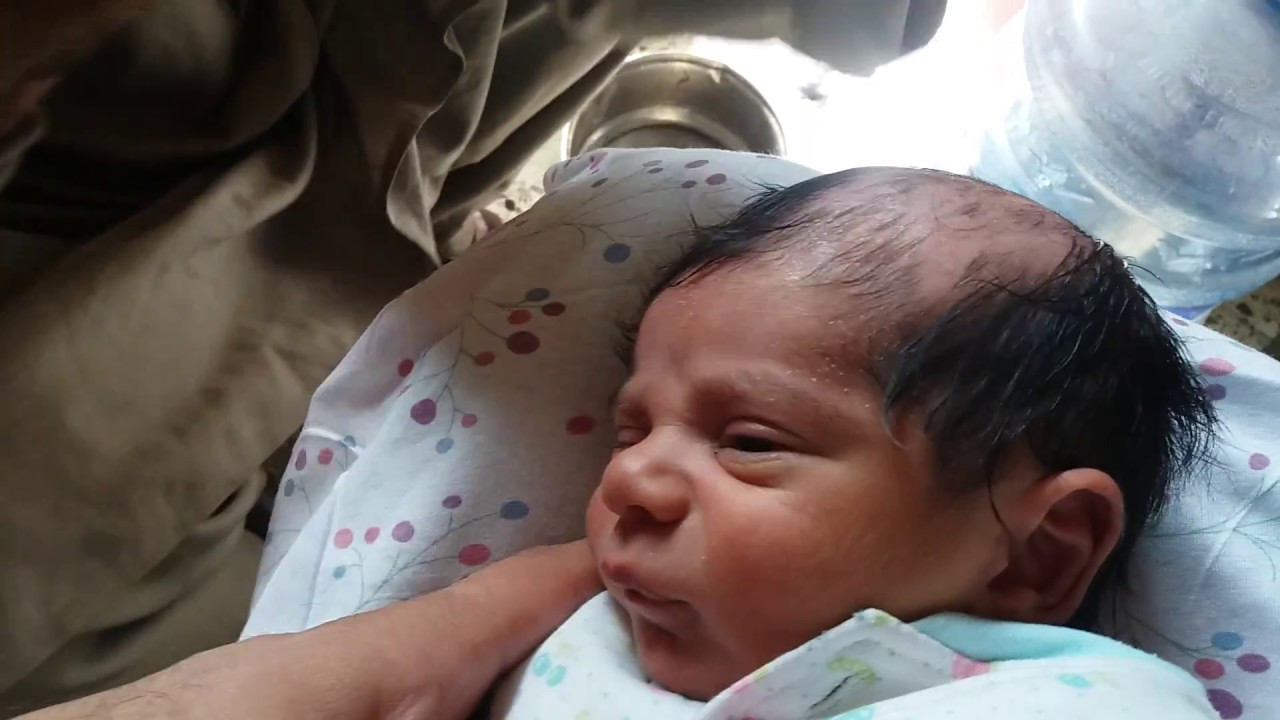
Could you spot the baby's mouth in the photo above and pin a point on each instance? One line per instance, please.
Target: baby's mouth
(640, 597)
(669, 615)
(654, 609)
(641, 600)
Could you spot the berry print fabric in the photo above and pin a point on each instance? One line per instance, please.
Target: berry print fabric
(472, 419)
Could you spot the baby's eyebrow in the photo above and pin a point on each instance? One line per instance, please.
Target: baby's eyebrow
(616, 395)
(788, 392)
(623, 396)
(625, 347)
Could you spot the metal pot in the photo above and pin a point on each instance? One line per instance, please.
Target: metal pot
(675, 100)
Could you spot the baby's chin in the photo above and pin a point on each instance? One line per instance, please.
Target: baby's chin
(680, 680)
(678, 665)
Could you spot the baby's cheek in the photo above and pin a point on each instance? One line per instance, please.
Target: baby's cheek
(827, 569)
(772, 578)
(600, 521)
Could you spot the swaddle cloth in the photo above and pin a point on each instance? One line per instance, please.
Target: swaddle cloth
(871, 667)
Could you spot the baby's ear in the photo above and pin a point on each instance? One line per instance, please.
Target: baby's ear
(1062, 529)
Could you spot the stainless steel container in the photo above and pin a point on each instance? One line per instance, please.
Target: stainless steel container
(675, 100)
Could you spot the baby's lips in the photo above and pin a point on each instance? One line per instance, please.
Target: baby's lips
(616, 572)
(624, 577)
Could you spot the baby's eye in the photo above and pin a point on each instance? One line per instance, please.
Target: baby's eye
(750, 444)
(628, 437)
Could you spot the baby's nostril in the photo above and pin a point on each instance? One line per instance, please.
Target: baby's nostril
(637, 516)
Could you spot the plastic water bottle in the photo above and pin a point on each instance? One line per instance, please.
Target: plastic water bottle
(1155, 126)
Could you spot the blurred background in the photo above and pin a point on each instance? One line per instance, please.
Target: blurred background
(940, 107)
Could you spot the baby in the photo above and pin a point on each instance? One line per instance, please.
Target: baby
(896, 396)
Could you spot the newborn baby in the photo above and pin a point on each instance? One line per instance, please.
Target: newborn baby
(900, 404)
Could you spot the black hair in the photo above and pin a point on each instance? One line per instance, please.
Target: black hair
(1076, 361)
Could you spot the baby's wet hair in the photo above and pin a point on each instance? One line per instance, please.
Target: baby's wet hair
(1070, 356)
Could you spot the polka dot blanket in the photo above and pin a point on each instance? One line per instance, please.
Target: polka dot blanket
(1205, 592)
(472, 420)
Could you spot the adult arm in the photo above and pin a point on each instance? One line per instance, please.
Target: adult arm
(431, 657)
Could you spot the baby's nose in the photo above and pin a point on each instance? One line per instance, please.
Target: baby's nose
(645, 485)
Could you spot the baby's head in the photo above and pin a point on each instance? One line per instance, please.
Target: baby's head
(885, 388)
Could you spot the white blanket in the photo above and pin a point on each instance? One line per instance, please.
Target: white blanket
(870, 667)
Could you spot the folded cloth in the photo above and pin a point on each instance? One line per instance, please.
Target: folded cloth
(870, 667)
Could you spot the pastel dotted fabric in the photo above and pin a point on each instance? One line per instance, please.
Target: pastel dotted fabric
(1206, 594)
(471, 420)
(871, 667)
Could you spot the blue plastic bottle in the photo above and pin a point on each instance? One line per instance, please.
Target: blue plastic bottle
(1155, 126)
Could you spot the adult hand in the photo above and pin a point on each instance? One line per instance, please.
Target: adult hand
(431, 657)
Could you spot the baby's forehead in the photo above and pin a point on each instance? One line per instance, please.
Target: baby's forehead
(734, 338)
(805, 326)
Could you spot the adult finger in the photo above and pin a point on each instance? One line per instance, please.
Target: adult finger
(444, 650)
